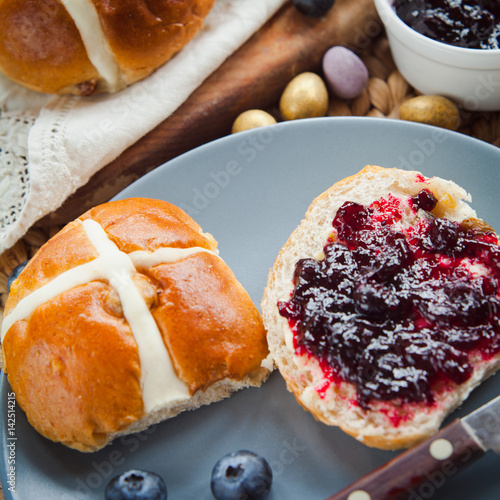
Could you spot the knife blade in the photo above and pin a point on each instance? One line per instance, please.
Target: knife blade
(418, 472)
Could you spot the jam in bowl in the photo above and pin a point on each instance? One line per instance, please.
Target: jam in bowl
(437, 57)
(463, 23)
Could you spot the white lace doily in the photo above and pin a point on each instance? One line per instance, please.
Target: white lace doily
(19, 109)
(50, 146)
(14, 172)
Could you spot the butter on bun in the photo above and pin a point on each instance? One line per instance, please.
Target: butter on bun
(382, 308)
(125, 318)
(65, 47)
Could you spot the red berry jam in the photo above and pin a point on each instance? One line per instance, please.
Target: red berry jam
(398, 311)
(464, 23)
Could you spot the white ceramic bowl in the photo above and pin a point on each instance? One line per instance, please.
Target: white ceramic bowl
(470, 77)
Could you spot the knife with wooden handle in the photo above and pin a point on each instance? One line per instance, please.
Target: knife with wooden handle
(428, 465)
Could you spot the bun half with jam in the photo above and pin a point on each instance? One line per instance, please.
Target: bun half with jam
(383, 307)
(126, 317)
(66, 47)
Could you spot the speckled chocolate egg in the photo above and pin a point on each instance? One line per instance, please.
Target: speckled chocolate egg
(345, 73)
(252, 118)
(432, 110)
(305, 96)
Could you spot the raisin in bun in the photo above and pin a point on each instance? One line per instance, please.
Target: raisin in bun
(63, 47)
(127, 317)
(382, 308)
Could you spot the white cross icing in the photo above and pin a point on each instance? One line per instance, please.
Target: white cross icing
(159, 382)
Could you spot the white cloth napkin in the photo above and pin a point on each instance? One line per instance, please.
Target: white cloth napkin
(51, 145)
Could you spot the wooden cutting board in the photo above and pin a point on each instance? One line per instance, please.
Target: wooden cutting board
(253, 77)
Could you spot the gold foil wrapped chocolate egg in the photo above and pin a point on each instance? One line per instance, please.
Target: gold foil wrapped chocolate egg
(305, 96)
(432, 110)
(252, 118)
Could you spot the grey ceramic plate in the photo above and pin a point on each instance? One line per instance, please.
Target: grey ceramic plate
(250, 191)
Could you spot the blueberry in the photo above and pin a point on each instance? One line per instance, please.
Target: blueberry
(136, 485)
(242, 475)
(313, 8)
(15, 273)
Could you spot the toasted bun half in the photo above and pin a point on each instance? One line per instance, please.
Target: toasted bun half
(64, 47)
(127, 317)
(326, 386)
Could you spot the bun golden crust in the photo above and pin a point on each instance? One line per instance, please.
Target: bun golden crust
(41, 48)
(51, 359)
(144, 34)
(45, 47)
(155, 224)
(73, 361)
(191, 287)
(337, 405)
